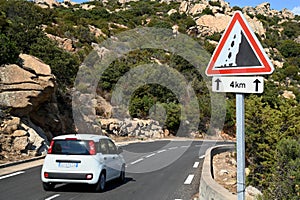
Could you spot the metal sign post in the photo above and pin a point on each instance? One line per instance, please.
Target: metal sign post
(240, 145)
(239, 53)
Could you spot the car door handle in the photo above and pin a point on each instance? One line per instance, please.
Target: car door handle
(105, 158)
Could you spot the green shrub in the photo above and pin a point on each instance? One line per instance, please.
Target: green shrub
(215, 3)
(285, 179)
(207, 11)
(9, 53)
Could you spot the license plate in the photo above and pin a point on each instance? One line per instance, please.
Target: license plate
(67, 165)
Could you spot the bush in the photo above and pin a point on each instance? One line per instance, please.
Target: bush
(9, 53)
(285, 180)
(215, 3)
(207, 11)
(289, 48)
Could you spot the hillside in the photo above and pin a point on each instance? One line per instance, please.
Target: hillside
(44, 43)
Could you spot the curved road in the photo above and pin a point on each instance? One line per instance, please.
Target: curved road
(174, 181)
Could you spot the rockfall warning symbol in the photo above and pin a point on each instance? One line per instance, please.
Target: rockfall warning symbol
(239, 52)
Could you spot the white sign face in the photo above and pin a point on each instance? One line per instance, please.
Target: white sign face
(235, 84)
(239, 52)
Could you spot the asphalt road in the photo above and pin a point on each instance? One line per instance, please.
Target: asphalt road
(160, 170)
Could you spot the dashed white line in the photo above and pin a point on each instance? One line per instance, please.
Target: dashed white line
(53, 197)
(196, 164)
(13, 174)
(201, 157)
(150, 155)
(171, 148)
(139, 160)
(189, 179)
(161, 151)
(184, 146)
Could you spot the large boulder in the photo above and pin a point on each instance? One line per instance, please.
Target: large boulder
(25, 87)
(21, 137)
(219, 22)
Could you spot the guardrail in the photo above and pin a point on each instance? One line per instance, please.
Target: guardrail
(209, 189)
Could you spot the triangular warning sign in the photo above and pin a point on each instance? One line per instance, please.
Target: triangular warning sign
(239, 52)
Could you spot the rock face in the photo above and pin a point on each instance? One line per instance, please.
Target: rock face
(44, 3)
(209, 24)
(64, 43)
(24, 88)
(288, 94)
(20, 136)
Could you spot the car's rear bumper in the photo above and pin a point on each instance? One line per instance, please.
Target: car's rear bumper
(63, 177)
(69, 176)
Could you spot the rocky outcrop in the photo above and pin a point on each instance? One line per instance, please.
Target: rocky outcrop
(253, 193)
(288, 94)
(24, 88)
(21, 137)
(209, 24)
(64, 43)
(96, 31)
(46, 3)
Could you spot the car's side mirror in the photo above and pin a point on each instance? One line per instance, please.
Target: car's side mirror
(120, 150)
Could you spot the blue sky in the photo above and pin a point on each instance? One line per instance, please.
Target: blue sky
(293, 5)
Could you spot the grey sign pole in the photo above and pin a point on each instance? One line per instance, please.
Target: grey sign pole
(240, 145)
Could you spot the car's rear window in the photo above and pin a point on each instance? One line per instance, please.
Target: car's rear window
(71, 147)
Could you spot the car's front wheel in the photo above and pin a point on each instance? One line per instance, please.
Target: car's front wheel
(48, 186)
(100, 185)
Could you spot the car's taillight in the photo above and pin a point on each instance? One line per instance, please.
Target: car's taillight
(46, 175)
(71, 138)
(51, 146)
(92, 147)
(89, 176)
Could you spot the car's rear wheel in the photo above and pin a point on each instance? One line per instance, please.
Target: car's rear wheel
(48, 186)
(122, 175)
(100, 185)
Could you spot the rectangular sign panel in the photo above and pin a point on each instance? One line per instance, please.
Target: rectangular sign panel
(238, 84)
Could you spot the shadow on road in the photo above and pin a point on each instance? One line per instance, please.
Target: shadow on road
(86, 188)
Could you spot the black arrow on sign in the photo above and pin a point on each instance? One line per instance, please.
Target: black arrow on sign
(218, 81)
(256, 86)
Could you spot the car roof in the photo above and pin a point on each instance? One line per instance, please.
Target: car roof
(81, 137)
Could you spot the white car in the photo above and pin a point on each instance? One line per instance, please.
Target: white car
(82, 158)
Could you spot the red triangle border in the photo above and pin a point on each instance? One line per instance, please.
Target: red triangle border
(267, 67)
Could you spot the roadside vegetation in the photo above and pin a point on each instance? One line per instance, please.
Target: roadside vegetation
(272, 121)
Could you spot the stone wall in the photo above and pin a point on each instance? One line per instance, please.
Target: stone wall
(133, 128)
(209, 189)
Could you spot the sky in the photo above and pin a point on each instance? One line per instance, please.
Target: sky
(293, 5)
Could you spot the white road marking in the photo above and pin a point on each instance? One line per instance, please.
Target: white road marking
(178, 199)
(171, 148)
(189, 179)
(13, 174)
(201, 157)
(196, 164)
(150, 155)
(53, 197)
(139, 160)
(184, 146)
(161, 151)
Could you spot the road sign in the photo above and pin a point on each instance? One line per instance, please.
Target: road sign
(249, 84)
(239, 52)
